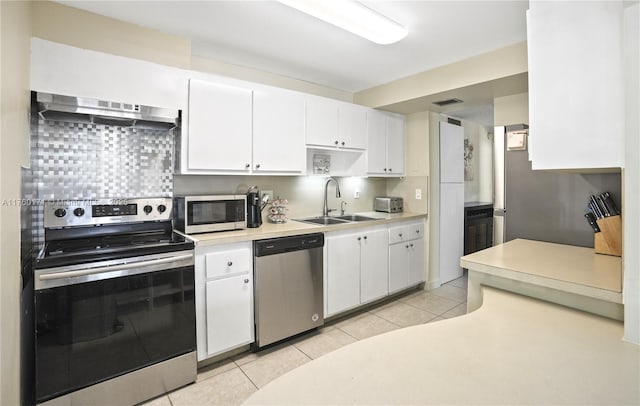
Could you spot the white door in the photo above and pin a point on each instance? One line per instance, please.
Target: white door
(451, 230)
(398, 265)
(377, 143)
(416, 262)
(352, 126)
(343, 273)
(374, 271)
(321, 122)
(451, 153)
(395, 145)
(219, 128)
(229, 313)
(278, 132)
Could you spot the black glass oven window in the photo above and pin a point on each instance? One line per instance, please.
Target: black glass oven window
(213, 212)
(94, 331)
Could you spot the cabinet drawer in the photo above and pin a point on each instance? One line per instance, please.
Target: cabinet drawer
(415, 231)
(225, 263)
(398, 234)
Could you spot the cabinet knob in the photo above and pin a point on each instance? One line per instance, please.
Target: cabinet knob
(390, 170)
(246, 280)
(336, 142)
(385, 169)
(247, 165)
(411, 245)
(343, 143)
(229, 263)
(399, 234)
(257, 166)
(406, 246)
(365, 237)
(417, 231)
(359, 238)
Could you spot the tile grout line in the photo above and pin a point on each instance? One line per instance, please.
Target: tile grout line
(250, 380)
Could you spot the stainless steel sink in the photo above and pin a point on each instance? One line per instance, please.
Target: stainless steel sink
(327, 220)
(323, 220)
(356, 217)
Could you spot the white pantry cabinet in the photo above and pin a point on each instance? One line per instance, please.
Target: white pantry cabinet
(576, 100)
(385, 151)
(406, 255)
(219, 127)
(355, 268)
(224, 298)
(335, 124)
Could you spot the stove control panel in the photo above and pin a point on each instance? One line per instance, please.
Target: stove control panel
(75, 213)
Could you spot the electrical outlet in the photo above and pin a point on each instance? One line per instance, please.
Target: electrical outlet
(356, 194)
(268, 193)
(418, 194)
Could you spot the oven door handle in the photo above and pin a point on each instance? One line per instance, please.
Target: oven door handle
(111, 268)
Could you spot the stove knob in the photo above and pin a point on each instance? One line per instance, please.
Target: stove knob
(147, 209)
(60, 212)
(162, 208)
(78, 212)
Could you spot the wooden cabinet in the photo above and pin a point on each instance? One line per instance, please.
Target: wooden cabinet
(224, 298)
(335, 124)
(278, 132)
(356, 268)
(576, 99)
(406, 255)
(219, 127)
(385, 140)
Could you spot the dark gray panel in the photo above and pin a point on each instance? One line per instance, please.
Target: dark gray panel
(550, 206)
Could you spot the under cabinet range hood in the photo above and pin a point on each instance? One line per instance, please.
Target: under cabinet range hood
(84, 110)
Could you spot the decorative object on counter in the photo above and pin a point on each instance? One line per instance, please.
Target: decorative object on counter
(278, 211)
(321, 164)
(468, 160)
(603, 216)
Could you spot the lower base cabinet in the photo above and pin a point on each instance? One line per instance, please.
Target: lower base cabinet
(224, 298)
(406, 256)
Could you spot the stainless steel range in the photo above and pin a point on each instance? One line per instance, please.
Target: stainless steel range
(114, 303)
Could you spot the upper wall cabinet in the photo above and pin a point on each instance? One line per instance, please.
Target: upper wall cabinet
(575, 85)
(278, 131)
(385, 152)
(335, 124)
(238, 130)
(219, 127)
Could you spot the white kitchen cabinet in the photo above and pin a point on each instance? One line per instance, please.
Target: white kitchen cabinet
(356, 268)
(406, 255)
(219, 127)
(335, 124)
(224, 298)
(278, 131)
(576, 98)
(385, 140)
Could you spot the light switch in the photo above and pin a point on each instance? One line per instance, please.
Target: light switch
(418, 194)
(356, 194)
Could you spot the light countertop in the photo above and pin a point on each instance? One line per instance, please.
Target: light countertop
(513, 350)
(292, 227)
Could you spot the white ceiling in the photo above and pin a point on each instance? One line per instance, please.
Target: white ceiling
(269, 36)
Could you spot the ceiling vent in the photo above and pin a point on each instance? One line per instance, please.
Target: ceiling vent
(447, 102)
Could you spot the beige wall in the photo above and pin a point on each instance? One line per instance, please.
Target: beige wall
(15, 34)
(510, 110)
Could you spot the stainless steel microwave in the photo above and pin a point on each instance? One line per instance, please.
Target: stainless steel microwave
(204, 214)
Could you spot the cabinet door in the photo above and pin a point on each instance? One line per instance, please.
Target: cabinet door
(395, 145)
(451, 230)
(398, 265)
(416, 262)
(576, 102)
(377, 143)
(352, 126)
(219, 127)
(374, 269)
(321, 122)
(229, 313)
(278, 131)
(451, 153)
(343, 272)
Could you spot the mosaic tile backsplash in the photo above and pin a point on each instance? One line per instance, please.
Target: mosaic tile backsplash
(85, 161)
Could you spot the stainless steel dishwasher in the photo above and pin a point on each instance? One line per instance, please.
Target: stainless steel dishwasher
(288, 287)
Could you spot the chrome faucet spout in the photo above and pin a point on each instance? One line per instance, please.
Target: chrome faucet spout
(325, 209)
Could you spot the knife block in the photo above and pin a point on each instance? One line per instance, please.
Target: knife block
(609, 240)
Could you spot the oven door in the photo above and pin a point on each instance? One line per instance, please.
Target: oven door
(109, 320)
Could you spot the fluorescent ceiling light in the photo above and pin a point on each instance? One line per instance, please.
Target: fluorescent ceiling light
(353, 17)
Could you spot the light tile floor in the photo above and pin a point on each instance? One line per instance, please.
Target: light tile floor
(231, 381)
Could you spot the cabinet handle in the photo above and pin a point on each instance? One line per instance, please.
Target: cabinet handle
(343, 143)
(365, 237)
(411, 245)
(336, 142)
(399, 234)
(257, 166)
(390, 170)
(359, 238)
(406, 246)
(246, 280)
(417, 231)
(229, 263)
(247, 165)
(385, 169)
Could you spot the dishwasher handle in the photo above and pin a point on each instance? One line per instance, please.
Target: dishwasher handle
(275, 246)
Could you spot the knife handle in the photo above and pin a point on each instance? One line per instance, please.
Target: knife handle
(592, 222)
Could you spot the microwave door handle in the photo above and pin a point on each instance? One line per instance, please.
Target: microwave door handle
(112, 268)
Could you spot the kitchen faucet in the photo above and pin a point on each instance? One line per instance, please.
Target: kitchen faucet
(326, 209)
